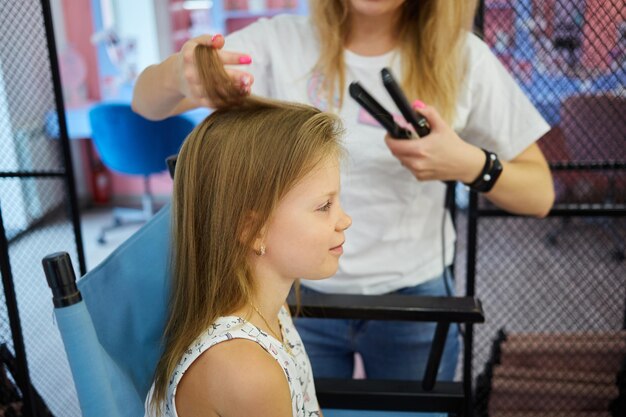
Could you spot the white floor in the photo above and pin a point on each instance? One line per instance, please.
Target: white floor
(92, 222)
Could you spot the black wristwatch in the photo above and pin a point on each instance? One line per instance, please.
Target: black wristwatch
(489, 175)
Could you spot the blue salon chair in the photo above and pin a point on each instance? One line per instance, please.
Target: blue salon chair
(112, 319)
(129, 144)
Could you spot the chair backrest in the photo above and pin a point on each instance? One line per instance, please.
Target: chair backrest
(130, 332)
(131, 144)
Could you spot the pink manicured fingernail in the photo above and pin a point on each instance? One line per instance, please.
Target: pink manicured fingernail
(245, 80)
(419, 104)
(215, 37)
(245, 59)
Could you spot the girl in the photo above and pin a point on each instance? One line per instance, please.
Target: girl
(480, 121)
(255, 207)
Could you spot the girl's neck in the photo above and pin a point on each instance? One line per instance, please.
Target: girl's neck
(269, 296)
(268, 300)
(372, 36)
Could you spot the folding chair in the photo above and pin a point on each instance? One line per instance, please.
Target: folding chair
(112, 320)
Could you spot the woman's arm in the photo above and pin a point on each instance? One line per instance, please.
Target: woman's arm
(157, 93)
(234, 379)
(173, 86)
(524, 187)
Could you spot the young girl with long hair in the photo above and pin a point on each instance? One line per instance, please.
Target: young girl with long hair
(483, 133)
(255, 207)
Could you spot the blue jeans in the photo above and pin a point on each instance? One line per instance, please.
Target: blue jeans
(390, 349)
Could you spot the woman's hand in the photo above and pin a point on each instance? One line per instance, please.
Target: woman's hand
(524, 187)
(173, 86)
(189, 84)
(441, 155)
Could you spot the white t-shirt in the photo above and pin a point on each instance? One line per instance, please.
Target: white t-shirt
(395, 238)
(294, 363)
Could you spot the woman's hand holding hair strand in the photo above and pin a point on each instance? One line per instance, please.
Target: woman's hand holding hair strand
(180, 86)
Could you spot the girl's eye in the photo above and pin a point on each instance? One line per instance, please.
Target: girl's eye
(326, 206)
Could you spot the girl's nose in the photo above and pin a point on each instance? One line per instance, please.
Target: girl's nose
(344, 222)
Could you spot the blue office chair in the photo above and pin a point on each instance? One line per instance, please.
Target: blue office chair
(111, 322)
(132, 145)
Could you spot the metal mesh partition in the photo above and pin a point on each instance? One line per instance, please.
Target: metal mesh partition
(38, 206)
(554, 290)
(535, 290)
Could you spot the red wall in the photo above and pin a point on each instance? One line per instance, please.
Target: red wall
(78, 30)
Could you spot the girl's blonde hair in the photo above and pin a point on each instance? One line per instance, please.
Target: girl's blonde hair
(231, 172)
(430, 35)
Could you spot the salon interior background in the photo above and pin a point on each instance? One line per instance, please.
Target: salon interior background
(565, 274)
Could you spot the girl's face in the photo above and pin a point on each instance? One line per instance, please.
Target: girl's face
(373, 8)
(304, 237)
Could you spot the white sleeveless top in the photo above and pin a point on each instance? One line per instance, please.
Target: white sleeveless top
(296, 365)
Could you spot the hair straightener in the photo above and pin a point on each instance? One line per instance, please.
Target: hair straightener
(378, 112)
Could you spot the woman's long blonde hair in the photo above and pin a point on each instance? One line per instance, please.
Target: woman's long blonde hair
(231, 172)
(430, 38)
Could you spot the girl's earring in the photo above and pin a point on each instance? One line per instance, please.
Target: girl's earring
(261, 251)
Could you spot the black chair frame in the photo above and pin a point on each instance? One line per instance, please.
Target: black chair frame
(395, 395)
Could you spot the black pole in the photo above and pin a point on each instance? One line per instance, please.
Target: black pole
(434, 358)
(479, 19)
(21, 376)
(63, 136)
(470, 290)
(472, 240)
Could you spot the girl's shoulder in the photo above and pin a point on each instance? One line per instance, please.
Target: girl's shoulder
(224, 329)
(237, 377)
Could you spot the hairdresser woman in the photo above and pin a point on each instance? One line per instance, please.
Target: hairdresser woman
(481, 124)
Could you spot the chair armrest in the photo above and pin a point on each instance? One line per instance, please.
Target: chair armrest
(443, 310)
(385, 395)
(390, 307)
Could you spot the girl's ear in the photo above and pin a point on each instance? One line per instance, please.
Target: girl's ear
(248, 228)
(258, 244)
